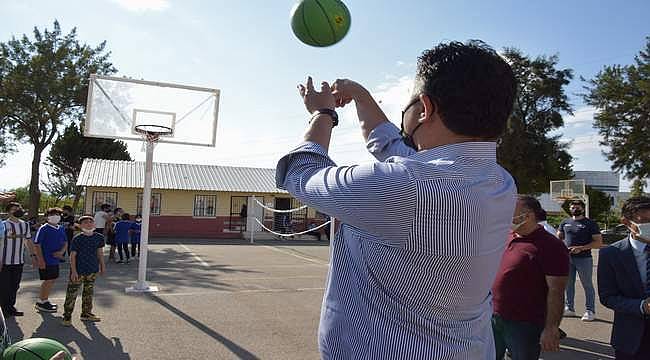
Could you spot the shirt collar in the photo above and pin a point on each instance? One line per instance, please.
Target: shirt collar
(638, 246)
(450, 152)
(53, 226)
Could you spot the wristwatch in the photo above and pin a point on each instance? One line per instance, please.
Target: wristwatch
(330, 112)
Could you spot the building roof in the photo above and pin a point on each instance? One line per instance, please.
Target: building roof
(130, 174)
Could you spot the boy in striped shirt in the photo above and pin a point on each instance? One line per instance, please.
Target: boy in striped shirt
(50, 243)
(17, 237)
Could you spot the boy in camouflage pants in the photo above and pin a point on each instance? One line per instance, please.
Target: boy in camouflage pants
(86, 260)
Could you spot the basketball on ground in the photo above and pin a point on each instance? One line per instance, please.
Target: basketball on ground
(320, 22)
(35, 349)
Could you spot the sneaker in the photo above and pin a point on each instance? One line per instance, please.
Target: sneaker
(45, 307)
(127, 261)
(66, 322)
(119, 262)
(588, 316)
(569, 312)
(90, 317)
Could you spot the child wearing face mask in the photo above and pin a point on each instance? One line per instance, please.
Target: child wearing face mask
(86, 261)
(136, 228)
(49, 245)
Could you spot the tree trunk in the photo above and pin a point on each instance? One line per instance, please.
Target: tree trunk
(77, 197)
(34, 191)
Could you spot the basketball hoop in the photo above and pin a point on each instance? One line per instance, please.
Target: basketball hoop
(151, 133)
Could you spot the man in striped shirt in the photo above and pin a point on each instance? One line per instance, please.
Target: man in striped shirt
(424, 228)
(17, 238)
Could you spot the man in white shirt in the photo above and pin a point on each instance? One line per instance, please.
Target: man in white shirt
(17, 237)
(101, 217)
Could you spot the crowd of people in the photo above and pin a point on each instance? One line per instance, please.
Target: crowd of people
(59, 239)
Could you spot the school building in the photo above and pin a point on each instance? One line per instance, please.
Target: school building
(198, 201)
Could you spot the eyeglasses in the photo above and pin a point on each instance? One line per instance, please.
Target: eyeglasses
(413, 102)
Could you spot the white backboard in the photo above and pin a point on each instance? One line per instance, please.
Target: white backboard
(117, 105)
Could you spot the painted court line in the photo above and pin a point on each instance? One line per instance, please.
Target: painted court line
(214, 292)
(194, 255)
(319, 262)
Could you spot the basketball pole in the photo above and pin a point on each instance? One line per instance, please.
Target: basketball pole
(141, 285)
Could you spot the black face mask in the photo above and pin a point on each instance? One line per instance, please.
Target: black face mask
(576, 212)
(408, 138)
(19, 213)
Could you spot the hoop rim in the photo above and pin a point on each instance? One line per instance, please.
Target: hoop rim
(152, 129)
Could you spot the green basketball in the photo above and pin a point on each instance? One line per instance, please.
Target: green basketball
(35, 349)
(320, 22)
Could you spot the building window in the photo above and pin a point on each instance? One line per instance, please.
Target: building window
(104, 197)
(205, 205)
(155, 204)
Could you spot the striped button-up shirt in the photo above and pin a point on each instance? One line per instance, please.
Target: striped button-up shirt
(421, 238)
(16, 234)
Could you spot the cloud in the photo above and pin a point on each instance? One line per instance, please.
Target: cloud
(143, 5)
(584, 115)
(586, 144)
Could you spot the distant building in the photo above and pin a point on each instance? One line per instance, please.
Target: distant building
(191, 200)
(606, 181)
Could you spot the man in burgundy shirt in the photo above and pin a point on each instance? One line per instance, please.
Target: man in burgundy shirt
(528, 293)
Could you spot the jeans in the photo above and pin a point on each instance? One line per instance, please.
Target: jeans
(584, 267)
(521, 338)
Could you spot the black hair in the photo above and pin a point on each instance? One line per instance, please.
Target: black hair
(472, 87)
(105, 206)
(634, 204)
(12, 204)
(126, 216)
(532, 204)
(577, 202)
(54, 210)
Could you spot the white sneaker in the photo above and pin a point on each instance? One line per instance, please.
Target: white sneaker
(569, 312)
(588, 316)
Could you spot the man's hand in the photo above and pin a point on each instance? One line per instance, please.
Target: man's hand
(58, 254)
(550, 339)
(315, 100)
(41, 263)
(74, 277)
(345, 91)
(576, 249)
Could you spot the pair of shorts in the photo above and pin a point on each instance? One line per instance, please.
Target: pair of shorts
(50, 272)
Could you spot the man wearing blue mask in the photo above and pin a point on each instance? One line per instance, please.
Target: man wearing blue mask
(422, 230)
(624, 282)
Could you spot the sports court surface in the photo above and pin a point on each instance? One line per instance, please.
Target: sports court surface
(224, 301)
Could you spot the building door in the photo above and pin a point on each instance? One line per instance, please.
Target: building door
(238, 213)
(282, 221)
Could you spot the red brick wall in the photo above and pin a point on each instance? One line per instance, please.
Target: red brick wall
(187, 226)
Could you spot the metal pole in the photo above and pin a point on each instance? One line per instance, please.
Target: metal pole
(250, 221)
(141, 285)
(332, 223)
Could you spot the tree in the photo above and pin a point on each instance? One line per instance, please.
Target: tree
(43, 85)
(621, 95)
(637, 188)
(526, 150)
(67, 155)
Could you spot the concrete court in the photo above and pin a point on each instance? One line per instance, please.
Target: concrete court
(224, 301)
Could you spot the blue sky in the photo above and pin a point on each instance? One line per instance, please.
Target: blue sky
(247, 50)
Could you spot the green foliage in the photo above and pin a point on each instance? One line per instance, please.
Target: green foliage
(621, 95)
(637, 187)
(526, 150)
(67, 155)
(44, 85)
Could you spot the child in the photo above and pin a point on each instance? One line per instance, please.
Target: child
(135, 235)
(122, 231)
(49, 245)
(86, 260)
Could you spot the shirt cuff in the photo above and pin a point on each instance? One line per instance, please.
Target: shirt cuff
(641, 307)
(306, 147)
